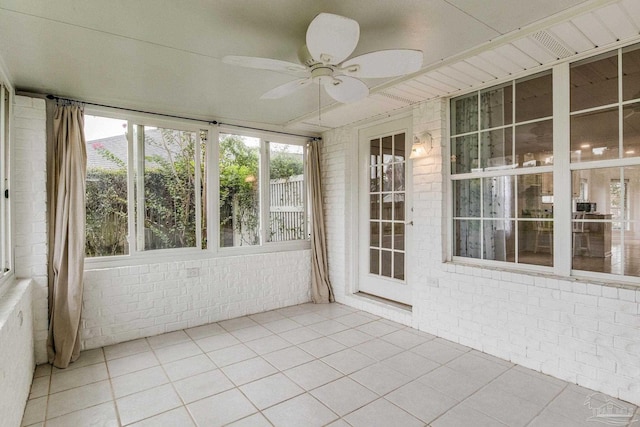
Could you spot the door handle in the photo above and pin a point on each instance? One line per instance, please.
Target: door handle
(409, 222)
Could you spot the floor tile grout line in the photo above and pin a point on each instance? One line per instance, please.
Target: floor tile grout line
(547, 404)
(112, 389)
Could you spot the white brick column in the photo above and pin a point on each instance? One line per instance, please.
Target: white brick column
(28, 194)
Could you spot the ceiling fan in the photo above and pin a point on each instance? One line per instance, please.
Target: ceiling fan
(329, 42)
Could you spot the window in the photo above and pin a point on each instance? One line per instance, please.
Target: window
(605, 145)
(144, 187)
(502, 172)
(107, 215)
(287, 216)
(5, 217)
(239, 190)
(149, 188)
(168, 187)
(505, 209)
(262, 191)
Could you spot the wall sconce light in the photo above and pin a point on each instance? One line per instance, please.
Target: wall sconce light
(419, 147)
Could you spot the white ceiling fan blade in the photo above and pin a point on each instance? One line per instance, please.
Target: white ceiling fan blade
(346, 89)
(332, 38)
(265, 64)
(383, 63)
(286, 89)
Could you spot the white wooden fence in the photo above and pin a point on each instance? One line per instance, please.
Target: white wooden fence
(286, 209)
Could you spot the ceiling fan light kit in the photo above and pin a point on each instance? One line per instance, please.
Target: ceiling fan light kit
(330, 40)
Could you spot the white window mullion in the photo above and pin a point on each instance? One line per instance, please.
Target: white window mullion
(131, 189)
(562, 255)
(3, 185)
(198, 189)
(213, 189)
(264, 191)
(140, 188)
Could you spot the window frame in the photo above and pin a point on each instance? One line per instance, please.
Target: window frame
(265, 138)
(562, 169)
(482, 173)
(213, 249)
(7, 266)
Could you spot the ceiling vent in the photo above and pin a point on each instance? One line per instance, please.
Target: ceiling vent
(396, 98)
(552, 44)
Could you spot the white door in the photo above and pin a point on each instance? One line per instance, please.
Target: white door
(383, 202)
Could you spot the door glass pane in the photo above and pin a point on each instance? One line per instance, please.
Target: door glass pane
(387, 238)
(374, 152)
(374, 261)
(385, 263)
(239, 191)
(398, 236)
(375, 206)
(286, 192)
(375, 174)
(398, 214)
(387, 150)
(399, 147)
(386, 212)
(106, 187)
(594, 136)
(374, 230)
(398, 266)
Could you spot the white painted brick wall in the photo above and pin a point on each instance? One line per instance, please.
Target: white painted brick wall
(125, 303)
(585, 333)
(16, 351)
(29, 202)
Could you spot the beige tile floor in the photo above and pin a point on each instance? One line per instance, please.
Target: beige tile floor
(308, 365)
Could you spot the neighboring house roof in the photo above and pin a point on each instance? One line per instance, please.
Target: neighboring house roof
(117, 145)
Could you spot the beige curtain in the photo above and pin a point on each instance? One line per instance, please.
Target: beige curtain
(66, 173)
(321, 290)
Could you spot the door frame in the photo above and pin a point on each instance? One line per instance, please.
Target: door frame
(401, 121)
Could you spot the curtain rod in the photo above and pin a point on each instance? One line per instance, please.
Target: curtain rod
(212, 122)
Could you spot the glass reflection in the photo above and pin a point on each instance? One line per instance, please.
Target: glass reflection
(594, 136)
(496, 107)
(466, 196)
(534, 97)
(534, 144)
(464, 156)
(497, 147)
(498, 197)
(499, 241)
(594, 82)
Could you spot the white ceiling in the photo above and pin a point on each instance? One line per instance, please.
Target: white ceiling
(165, 56)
